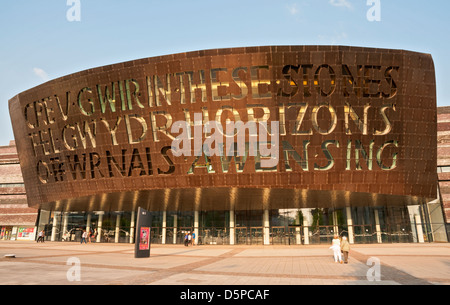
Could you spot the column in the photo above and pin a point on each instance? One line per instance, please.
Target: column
(306, 213)
(298, 239)
(419, 229)
(65, 223)
(305, 231)
(351, 238)
(412, 211)
(335, 223)
(99, 226)
(88, 223)
(116, 236)
(196, 227)
(164, 225)
(54, 227)
(377, 226)
(132, 229)
(232, 231)
(175, 224)
(266, 227)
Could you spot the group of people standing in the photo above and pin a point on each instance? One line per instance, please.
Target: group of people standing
(88, 236)
(340, 247)
(189, 239)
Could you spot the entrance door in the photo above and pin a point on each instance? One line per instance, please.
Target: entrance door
(256, 235)
(364, 234)
(242, 236)
(169, 235)
(295, 235)
(278, 236)
(214, 236)
(209, 236)
(401, 233)
(322, 234)
(249, 235)
(156, 235)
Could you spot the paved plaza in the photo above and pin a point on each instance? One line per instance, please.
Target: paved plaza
(57, 263)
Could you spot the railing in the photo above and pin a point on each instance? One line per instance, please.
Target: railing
(278, 235)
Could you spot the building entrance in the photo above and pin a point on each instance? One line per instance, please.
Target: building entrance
(249, 235)
(362, 225)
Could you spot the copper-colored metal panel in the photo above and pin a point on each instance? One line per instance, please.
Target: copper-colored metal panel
(357, 127)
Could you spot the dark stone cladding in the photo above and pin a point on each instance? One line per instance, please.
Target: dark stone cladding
(321, 77)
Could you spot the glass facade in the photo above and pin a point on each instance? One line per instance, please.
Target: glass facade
(362, 225)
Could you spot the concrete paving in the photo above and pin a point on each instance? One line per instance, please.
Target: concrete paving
(56, 263)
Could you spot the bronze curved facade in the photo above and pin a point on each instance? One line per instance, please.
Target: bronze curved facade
(357, 127)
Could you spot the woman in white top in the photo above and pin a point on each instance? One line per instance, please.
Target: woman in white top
(336, 247)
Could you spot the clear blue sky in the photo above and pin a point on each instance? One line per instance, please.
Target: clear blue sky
(38, 43)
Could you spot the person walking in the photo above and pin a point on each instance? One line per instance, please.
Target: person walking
(41, 236)
(83, 237)
(189, 238)
(336, 247)
(193, 238)
(186, 239)
(345, 248)
(94, 235)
